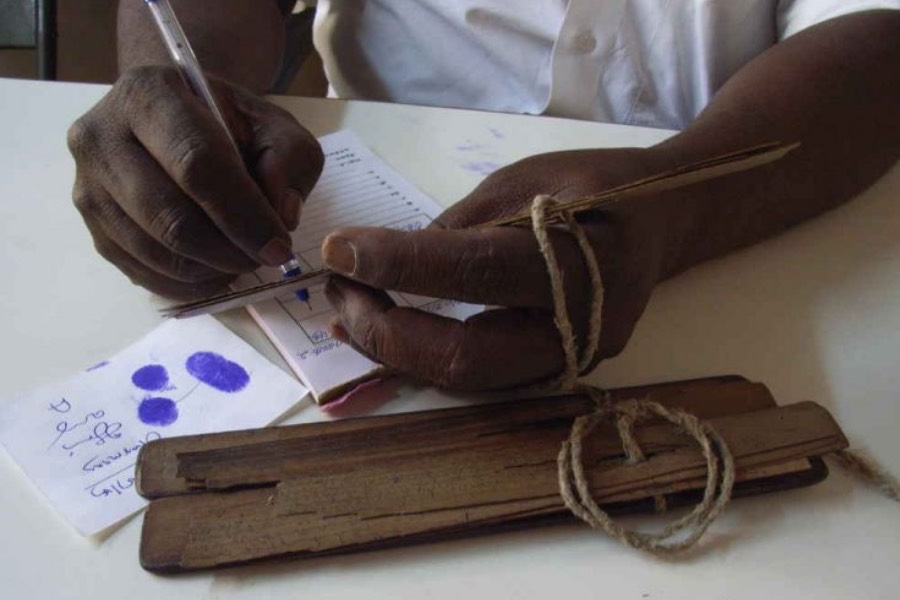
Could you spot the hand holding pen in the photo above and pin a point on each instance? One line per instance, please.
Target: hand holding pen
(183, 55)
(166, 195)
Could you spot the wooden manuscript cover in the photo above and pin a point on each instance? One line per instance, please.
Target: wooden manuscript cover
(343, 486)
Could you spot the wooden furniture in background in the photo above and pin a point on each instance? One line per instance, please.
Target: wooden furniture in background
(31, 24)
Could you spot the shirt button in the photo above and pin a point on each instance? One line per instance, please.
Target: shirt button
(585, 42)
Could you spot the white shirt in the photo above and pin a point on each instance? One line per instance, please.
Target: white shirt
(640, 62)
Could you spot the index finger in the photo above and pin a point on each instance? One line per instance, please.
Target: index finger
(188, 143)
(495, 349)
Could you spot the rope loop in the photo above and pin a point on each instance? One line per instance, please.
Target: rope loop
(680, 534)
(573, 482)
(574, 485)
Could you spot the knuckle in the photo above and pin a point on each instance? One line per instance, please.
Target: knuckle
(190, 271)
(461, 369)
(478, 267)
(143, 92)
(190, 159)
(104, 248)
(297, 150)
(403, 266)
(82, 138)
(86, 203)
(173, 227)
(83, 201)
(371, 336)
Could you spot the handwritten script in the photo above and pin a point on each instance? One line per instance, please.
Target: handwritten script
(79, 439)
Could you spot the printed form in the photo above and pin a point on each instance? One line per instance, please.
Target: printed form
(356, 188)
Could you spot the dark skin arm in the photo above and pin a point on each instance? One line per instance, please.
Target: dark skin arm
(150, 185)
(833, 87)
(164, 195)
(240, 41)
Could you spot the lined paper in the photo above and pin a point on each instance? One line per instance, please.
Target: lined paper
(356, 188)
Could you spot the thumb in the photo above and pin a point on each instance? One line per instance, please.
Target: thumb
(285, 158)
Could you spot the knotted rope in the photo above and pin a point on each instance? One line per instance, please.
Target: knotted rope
(574, 485)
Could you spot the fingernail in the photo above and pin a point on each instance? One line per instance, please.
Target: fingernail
(275, 252)
(291, 204)
(339, 255)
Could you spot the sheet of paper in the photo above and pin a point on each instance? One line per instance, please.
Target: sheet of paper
(356, 188)
(78, 439)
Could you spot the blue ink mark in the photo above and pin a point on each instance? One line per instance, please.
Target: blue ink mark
(152, 378)
(157, 411)
(496, 133)
(121, 482)
(217, 371)
(319, 335)
(63, 406)
(99, 461)
(64, 427)
(99, 365)
(469, 146)
(102, 432)
(483, 167)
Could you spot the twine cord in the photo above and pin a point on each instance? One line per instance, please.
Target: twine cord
(574, 484)
(677, 535)
(864, 468)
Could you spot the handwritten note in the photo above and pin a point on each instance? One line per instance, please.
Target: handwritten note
(356, 188)
(78, 439)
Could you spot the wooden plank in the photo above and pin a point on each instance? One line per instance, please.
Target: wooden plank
(409, 497)
(257, 457)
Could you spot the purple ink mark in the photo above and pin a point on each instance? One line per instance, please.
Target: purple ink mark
(469, 146)
(99, 365)
(152, 378)
(496, 133)
(157, 411)
(482, 167)
(217, 371)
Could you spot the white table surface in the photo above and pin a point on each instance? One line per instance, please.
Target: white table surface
(814, 313)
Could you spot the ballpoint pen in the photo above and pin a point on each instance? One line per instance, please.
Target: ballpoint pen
(186, 61)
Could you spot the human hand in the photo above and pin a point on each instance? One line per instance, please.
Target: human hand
(166, 198)
(519, 343)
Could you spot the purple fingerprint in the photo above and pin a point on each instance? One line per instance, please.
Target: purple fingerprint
(217, 371)
(152, 378)
(157, 411)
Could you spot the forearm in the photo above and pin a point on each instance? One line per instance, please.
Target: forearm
(241, 41)
(834, 88)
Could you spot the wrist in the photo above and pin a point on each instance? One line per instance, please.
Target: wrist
(658, 226)
(676, 212)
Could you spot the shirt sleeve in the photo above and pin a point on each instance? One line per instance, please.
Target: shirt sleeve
(796, 15)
